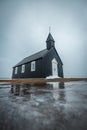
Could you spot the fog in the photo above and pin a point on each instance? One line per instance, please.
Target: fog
(24, 27)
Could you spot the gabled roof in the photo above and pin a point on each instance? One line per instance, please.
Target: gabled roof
(50, 38)
(33, 57)
(58, 56)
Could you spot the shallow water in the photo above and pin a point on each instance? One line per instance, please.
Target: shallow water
(52, 106)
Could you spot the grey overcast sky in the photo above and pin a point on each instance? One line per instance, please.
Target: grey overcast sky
(24, 27)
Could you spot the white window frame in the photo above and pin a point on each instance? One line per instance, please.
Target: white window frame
(22, 68)
(33, 67)
(16, 70)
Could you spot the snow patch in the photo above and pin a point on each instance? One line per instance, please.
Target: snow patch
(52, 77)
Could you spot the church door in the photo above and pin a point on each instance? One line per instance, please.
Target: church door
(54, 67)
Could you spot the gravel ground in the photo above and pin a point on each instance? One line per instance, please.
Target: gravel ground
(52, 106)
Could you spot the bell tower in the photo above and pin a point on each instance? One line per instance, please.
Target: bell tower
(50, 41)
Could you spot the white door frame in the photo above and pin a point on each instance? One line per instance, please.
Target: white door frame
(54, 67)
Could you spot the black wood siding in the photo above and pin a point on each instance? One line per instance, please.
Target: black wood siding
(28, 73)
(43, 67)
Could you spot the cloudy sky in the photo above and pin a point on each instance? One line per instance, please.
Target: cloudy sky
(24, 27)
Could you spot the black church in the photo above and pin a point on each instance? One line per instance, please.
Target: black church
(41, 64)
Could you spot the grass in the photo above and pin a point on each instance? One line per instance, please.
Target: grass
(42, 80)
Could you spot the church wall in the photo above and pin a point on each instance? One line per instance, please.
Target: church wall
(28, 73)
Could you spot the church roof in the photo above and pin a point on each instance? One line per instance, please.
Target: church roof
(50, 38)
(33, 57)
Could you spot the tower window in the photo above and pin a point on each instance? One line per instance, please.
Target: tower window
(23, 69)
(16, 69)
(33, 66)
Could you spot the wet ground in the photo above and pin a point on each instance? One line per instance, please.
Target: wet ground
(53, 106)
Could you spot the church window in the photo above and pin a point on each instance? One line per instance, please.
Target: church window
(33, 66)
(16, 69)
(23, 69)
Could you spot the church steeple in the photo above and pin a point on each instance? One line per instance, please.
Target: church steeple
(50, 41)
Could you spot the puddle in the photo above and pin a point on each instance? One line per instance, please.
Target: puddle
(50, 106)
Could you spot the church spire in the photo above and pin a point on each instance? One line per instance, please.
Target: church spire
(50, 41)
(50, 38)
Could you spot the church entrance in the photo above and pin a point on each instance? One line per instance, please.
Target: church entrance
(54, 67)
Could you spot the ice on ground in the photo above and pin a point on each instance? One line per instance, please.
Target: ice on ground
(52, 77)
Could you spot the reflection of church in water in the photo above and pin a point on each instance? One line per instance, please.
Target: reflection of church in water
(51, 92)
